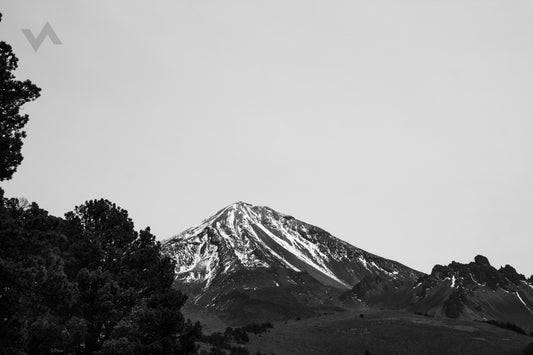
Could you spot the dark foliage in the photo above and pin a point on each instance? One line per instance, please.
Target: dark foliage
(238, 335)
(86, 284)
(217, 339)
(231, 336)
(257, 328)
(13, 95)
(35, 293)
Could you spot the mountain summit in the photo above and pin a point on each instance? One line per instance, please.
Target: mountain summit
(243, 249)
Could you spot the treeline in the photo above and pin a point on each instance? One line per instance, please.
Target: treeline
(86, 283)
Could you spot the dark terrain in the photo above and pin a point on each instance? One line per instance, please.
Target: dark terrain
(387, 332)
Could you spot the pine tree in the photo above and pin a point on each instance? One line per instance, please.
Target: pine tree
(86, 284)
(125, 284)
(35, 293)
(13, 94)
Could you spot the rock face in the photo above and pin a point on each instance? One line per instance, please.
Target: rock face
(248, 257)
(477, 273)
(476, 291)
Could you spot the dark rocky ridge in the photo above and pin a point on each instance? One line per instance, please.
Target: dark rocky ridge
(475, 290)
(480, 271)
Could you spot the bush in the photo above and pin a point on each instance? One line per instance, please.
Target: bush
(234, 335)
(239, 335)
(257, 328)
(217, 339)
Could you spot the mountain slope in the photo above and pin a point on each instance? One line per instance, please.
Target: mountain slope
(474, 291)
(247, 252)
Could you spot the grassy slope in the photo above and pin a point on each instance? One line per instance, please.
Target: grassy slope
(386, 332)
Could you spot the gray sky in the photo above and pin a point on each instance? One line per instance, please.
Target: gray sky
(402, 127)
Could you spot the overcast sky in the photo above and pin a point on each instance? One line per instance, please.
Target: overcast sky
(402, 127)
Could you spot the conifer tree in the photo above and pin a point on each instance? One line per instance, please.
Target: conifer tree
(13, 95)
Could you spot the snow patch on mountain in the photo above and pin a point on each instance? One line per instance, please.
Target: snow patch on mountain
(524, 303)
(246, 237)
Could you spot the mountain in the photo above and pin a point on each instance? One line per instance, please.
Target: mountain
(474, 291)
(478, 291)
(252, 261)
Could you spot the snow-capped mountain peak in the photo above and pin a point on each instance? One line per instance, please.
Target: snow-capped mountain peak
(243, 237)
(248, 261)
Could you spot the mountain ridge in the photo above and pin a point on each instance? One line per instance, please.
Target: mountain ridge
(243, 249)
(252, 261)
(472, 291)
